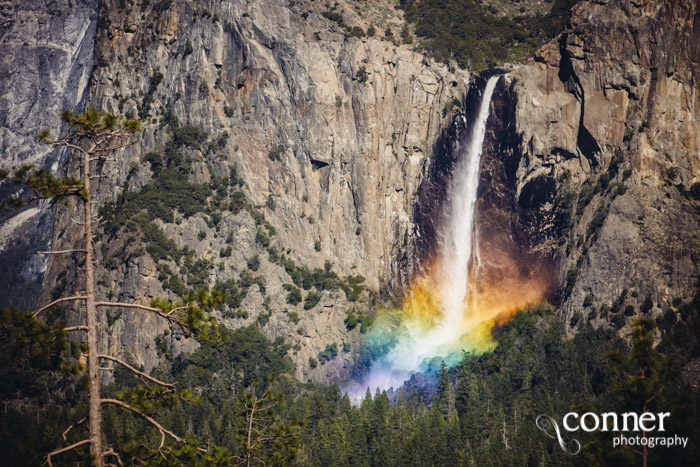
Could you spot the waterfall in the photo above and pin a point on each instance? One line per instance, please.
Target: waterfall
(459, 249)
(435, 317)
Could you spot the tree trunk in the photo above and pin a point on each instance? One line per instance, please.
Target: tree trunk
(249, 453)
(645, 453)
(94, 399)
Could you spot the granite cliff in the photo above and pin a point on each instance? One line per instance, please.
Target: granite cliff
(596, 139)
(589, 164)
(329, 136)
(304, 140)
(45, 65)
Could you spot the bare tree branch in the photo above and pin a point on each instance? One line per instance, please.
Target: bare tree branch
(663, 386)
(75, 328)
(163, 431)
(134, 370)
(175, 320)
(179, 308)
(64, 142)
(62, 450)
(65, 433)
(157, 311)
(112, 452)
(132, 305)
(59, 252)
(108, 149)
(56, 302)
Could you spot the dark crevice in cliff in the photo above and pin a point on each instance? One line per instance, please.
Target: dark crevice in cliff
(513, 227)
(432, 193)
(586, 143)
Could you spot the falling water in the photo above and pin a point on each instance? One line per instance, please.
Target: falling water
(413, 344)
(460, 239)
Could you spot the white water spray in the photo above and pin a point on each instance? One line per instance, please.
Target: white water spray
(458, 254)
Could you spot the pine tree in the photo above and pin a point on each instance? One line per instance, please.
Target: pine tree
(644, 375)
(91, 137)
(378, 429)
(444, 395)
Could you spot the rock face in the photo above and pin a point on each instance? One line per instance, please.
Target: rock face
(332, 136)
(46, 50)
(608, 126)
(342, 147)
(590, 150)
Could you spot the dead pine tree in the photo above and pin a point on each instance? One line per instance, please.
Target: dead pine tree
(266, 438)
(90, 138)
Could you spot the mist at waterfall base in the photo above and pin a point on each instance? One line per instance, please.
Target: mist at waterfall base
(452, 307)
